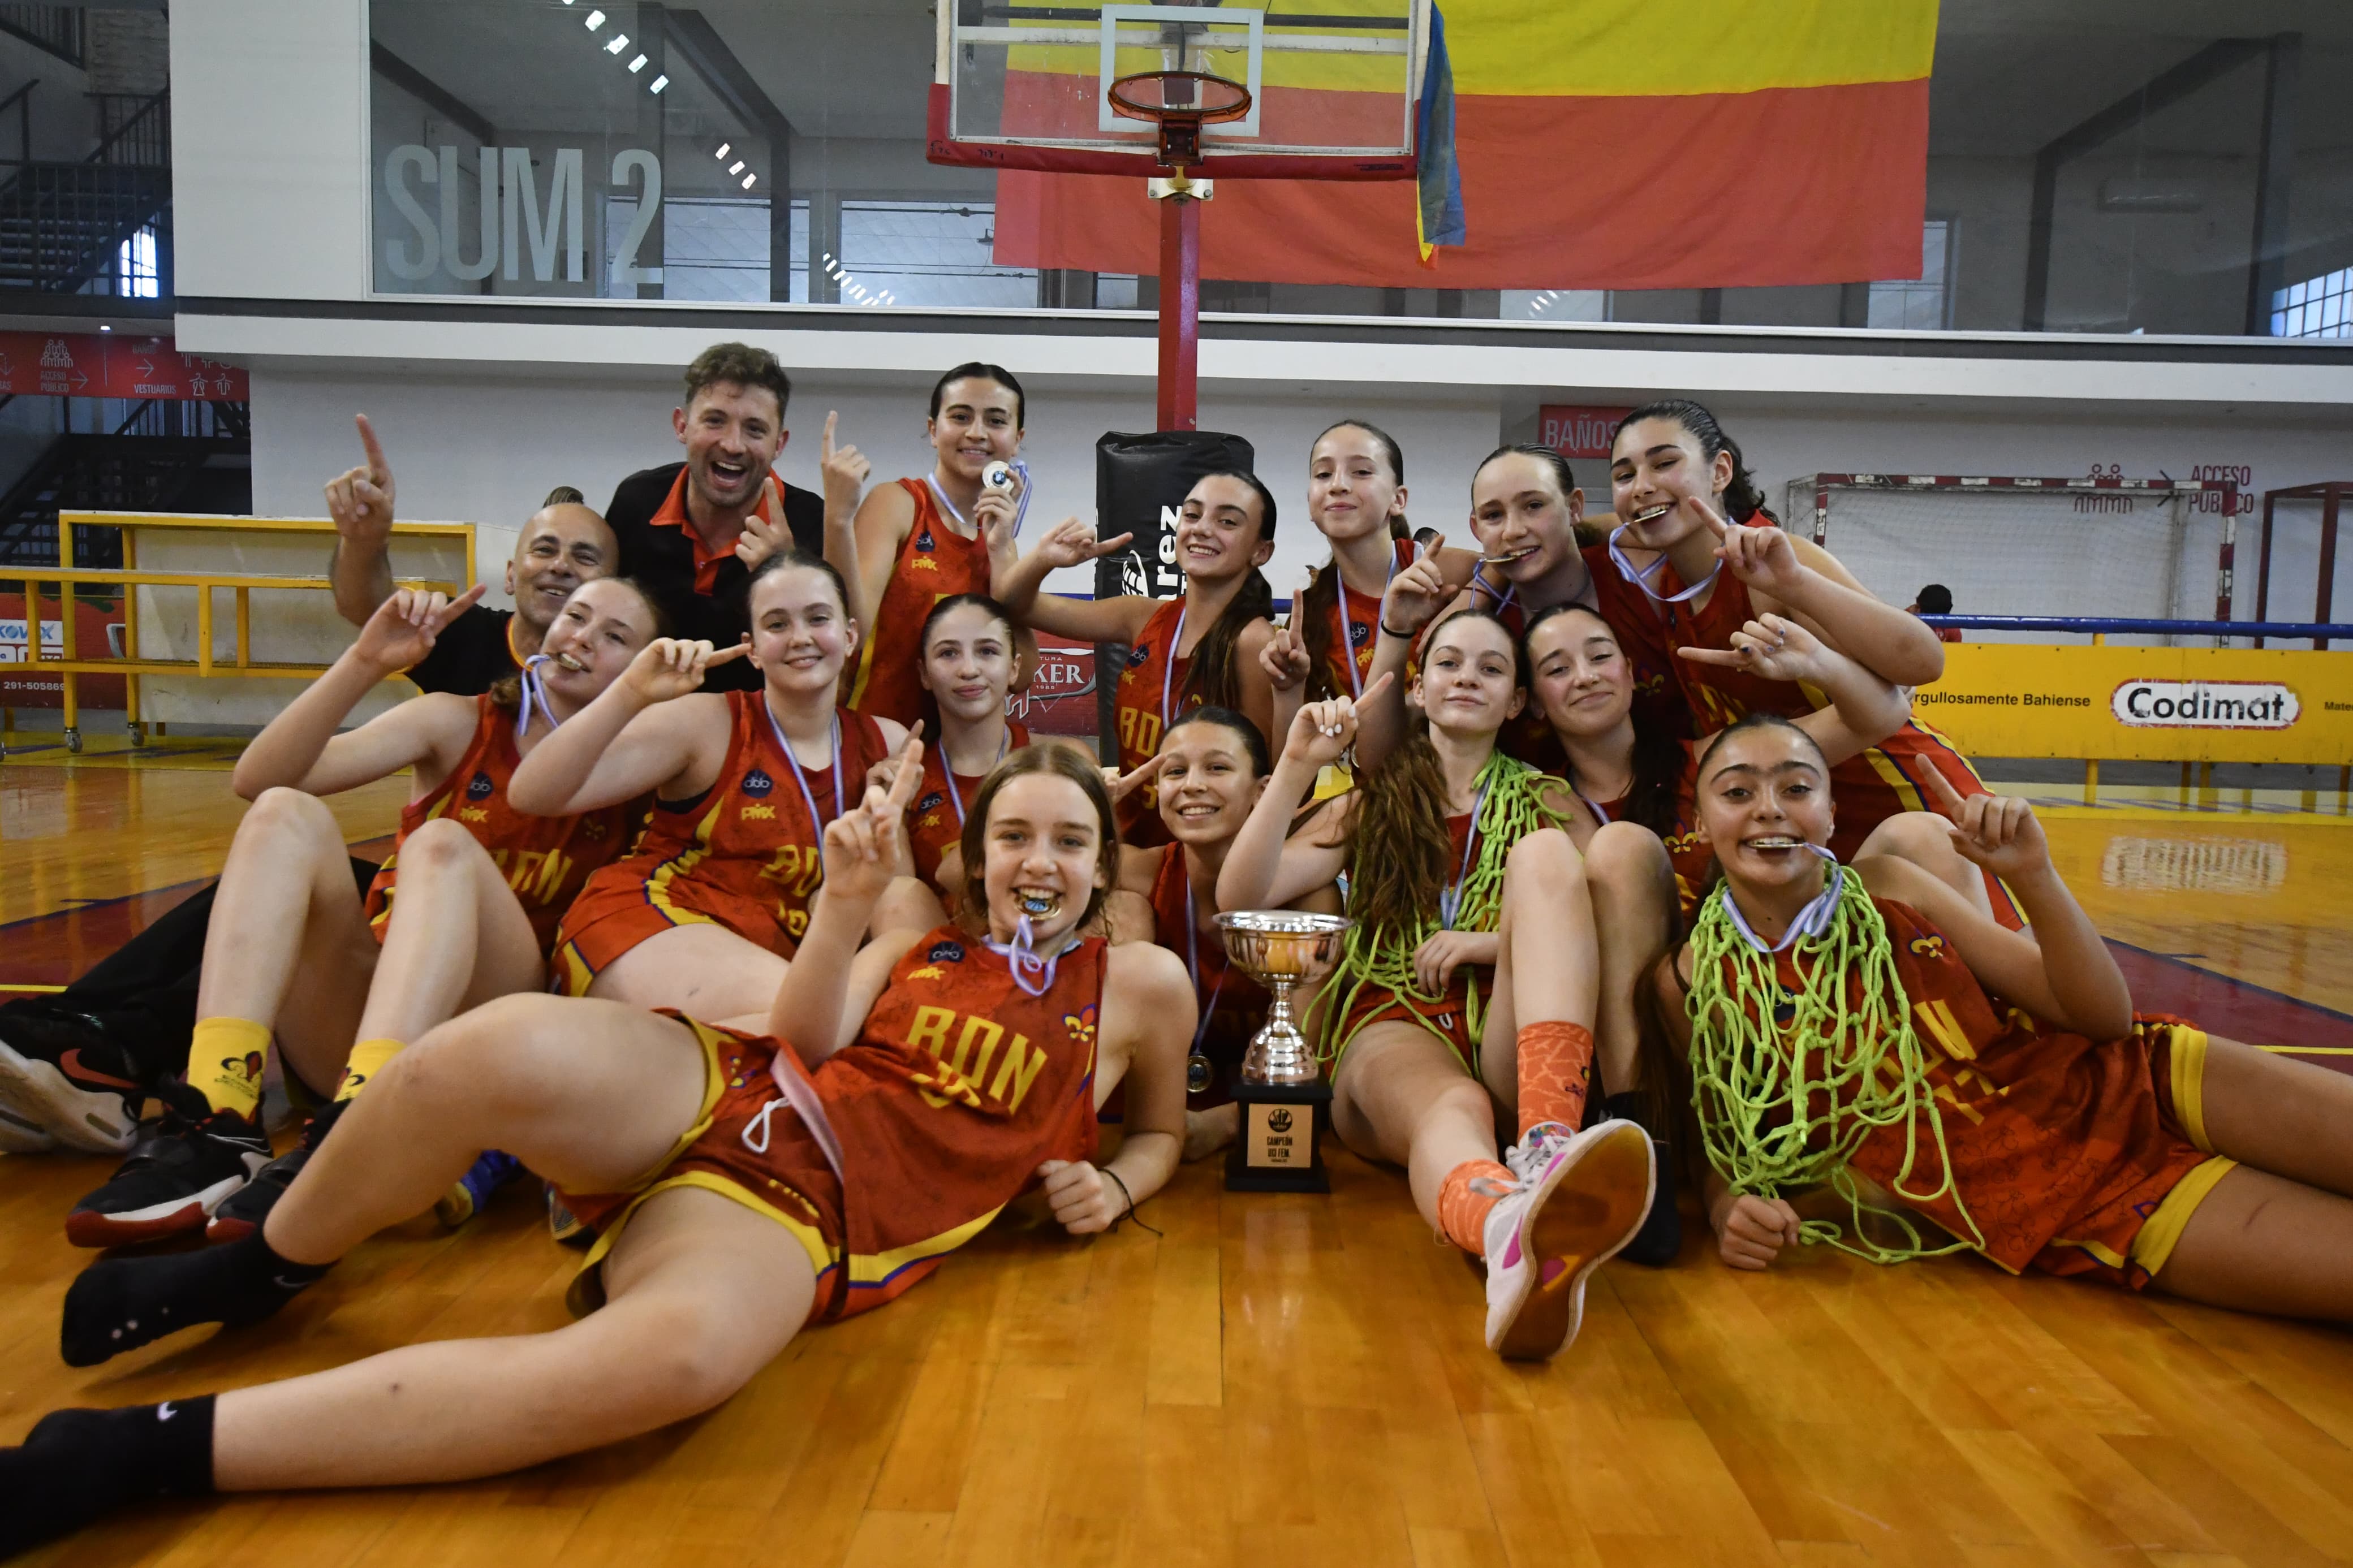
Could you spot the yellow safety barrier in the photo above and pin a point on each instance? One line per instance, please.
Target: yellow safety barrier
(129, 578)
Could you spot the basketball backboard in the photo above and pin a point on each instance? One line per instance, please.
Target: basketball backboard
(1332, 85)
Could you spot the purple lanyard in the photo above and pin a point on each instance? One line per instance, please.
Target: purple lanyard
(1450, 898)
(1503, 600)
(1811, 920)
(1600, 812)
(1640, 576)
(1168, 671)
(1348, 623)
(1021, 956)
(533, 697)
(817, 823)
(947, 771)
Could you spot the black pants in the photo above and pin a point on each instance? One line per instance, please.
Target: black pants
(142, 997)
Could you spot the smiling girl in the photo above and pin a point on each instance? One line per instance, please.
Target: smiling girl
(1676, 480)
(748, 1186)
(1200, 648)
(968, 656)
(706, 910)
(1467, 982)
(1866, 1028)
(464, 909)
(924, 540)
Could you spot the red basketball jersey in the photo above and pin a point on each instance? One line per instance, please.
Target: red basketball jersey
(1150, 694)
(1232, 1003)
(958, 1088)
(933, 562)
(547, 859)
(746, 853)
(1870, 787)
(1352, 627)
(935, 820)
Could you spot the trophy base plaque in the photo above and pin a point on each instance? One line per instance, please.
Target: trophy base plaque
(1280, 1148)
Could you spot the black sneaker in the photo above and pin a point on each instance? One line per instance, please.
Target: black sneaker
(241, 1213)
(61, 1077)
(176, 1179)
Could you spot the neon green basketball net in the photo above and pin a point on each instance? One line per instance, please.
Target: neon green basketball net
(1783, 1107)
(1382, 959)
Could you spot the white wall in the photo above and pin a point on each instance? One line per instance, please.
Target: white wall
(269, 181)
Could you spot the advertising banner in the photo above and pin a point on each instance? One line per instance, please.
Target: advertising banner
(2152, 704)
(113, 364)
(1061, 696)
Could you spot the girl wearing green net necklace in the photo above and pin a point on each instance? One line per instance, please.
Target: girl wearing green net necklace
(1468, 981)
(1870, 1029)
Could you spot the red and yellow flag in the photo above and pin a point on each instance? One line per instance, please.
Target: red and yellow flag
(1601, 145)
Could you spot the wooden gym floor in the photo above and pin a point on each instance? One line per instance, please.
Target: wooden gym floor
(1293, 1380)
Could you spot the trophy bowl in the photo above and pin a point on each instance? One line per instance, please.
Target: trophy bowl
(1280, 949)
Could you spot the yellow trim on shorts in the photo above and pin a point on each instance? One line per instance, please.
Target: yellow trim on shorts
(820, 1255)
(2153, 1248)
(2188, 1066)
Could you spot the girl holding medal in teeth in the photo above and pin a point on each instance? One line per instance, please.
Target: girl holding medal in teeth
(920, 540)
(1681, 490)
(1867, 1028)
(1466, 985)
(1528, 516)
(463, 910)
(747, 1184)
(712, 901)
(1199, 648)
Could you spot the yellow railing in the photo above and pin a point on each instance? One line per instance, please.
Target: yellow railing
(129, 578)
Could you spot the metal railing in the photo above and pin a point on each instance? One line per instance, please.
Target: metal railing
(56, 28)
(63, 224)
(2097, 626)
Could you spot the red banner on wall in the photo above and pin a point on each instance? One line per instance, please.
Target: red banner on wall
(111, 365)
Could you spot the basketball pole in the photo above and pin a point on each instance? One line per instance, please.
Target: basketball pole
(1181, 301)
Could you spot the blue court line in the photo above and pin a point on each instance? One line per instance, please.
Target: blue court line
(2233, 980)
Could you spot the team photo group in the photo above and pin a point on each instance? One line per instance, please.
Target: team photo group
(734, 918)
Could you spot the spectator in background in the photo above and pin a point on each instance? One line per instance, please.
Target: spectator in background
(1935, 599)
(691, 532)
(564, 545)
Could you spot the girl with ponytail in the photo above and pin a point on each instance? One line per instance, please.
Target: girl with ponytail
(1467, 980)
(1866, 1028)
(1200, 648)
(1680, 489)
(1355, 498)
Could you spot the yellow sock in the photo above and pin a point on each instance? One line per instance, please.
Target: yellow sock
(225, 1062)
(367, 1060)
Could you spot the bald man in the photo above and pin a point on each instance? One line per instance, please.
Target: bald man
(565, 544)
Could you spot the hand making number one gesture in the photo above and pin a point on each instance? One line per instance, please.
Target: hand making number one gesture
(862, 845)
(1416, 594)
(1773, 647)
(1071, 542)
(360, 499)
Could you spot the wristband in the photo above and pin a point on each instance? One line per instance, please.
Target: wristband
(1388, 630)
(1112, 1176)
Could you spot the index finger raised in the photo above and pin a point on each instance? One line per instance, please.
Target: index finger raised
(1387, 678)
(370, 445)
(722, 656)
(1947, 799)
(825, 441)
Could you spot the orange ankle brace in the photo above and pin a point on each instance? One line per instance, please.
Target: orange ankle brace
(1556, 1073)
(1462, 1208)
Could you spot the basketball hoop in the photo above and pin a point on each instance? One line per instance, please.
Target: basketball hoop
(1180, 103)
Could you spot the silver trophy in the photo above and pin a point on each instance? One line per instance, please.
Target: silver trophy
(1284, 1100)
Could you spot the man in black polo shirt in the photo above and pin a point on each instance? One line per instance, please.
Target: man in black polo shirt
(677, 526)
(564, 545)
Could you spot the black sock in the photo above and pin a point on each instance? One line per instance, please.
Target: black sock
(1661, 1235)
(77, 1466)
(122, 1303)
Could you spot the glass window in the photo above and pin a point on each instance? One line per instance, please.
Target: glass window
(2315, 308)
(1910, 304)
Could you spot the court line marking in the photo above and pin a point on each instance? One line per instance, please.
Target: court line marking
(2310, 1050)
(2217, 975)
